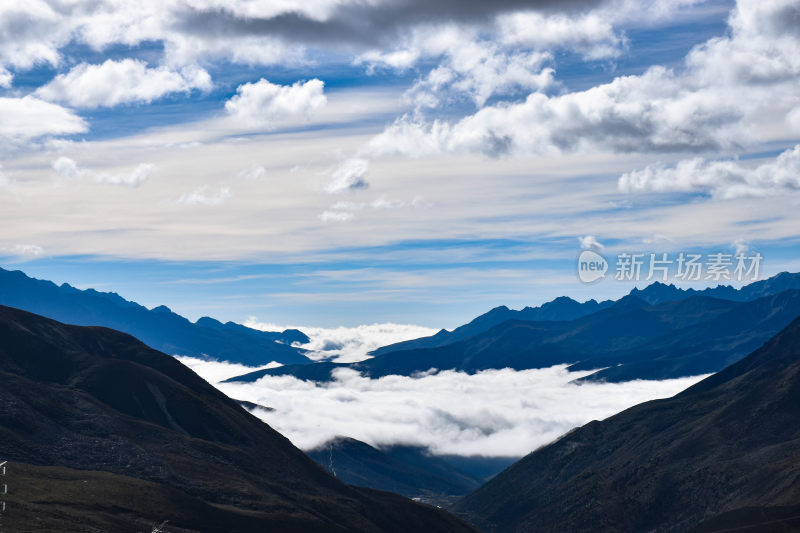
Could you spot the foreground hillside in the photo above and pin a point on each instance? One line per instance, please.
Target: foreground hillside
(105, 434)
(724, 455)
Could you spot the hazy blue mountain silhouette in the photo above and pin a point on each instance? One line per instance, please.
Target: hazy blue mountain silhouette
(159, 328)
(564, 308)
(630, 339)
(724, 455)
(103, 433)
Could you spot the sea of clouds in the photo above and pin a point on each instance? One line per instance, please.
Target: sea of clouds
(495, 413)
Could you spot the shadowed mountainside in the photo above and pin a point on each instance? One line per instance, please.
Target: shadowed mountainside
(406, 470)
(104, 433)
(723, 454)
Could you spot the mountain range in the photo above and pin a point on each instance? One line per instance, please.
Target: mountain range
(103, 433)
(565, 308)
(159, 327)
(724, 455)
(657, 333)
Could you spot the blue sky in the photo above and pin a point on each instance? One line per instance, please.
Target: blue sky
(373, 165)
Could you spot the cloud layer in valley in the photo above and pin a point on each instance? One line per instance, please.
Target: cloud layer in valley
(348, 345)
(491, 413)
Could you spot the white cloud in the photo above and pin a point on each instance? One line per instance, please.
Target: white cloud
(205, 195)
(65, 167)
(491, 413)
(592, 34)
(712, 102)
(263, 103)
(6, 78)
(26, 250)
(121, 82)
(385, 203)
(722, 179)
(653, 112)
(348, 345)
(255, 172)
(216, 371)
(590, 242)
(793, 119)
(335, 216)
(27, 118)
(31, 33)
(348, 176)
(478, 69)
(132, 179)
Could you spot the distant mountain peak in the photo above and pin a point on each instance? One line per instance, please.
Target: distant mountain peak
(159, 327)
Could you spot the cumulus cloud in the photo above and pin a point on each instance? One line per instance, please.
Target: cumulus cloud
(132, 179)
(654, 112)
(67, 168)
(350, 23)
(590, 242)
(491, 413)
(350, 175)
(348, 345)
(592, 34)
(722, 179)
(121, 82)
(27, 118)
(6, 78)
(206, 195)
(263, 103)
(242, 31)
(477, 69)
(706, 104)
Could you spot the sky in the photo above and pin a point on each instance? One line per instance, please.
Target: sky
(341, 163)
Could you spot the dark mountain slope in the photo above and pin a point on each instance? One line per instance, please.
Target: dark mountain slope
(405, 470)
(159, 328)
(634, 340)
(564, 308)
(97, 405)
(726, 449)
